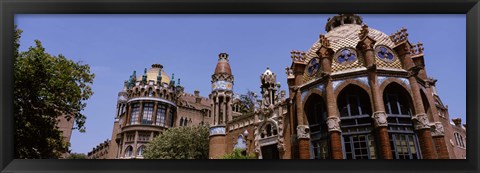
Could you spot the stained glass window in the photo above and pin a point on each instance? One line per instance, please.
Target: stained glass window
(313, 66)
(385, 54)
(346, 56)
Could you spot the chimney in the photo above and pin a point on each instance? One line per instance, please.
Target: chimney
(457, 122)
(198, 99)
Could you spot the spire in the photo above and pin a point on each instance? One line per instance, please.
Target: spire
(172, 82)
(144, 77)
(178, 82)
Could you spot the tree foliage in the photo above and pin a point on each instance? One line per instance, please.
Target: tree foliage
(179, 143)
(248, 101)
(238, 154)
(46, 87)
(77, 156)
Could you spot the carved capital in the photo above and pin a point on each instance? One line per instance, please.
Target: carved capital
(333, 124)
(437, 129)
(420, 121)
(303, 132)
(380, 119)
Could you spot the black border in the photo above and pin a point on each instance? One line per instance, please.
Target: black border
(10, 7)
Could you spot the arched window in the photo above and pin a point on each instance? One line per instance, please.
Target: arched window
(459, 140)
(357, 130)
(140, 150)
(147, 113)
(150, 92)
(398, 106)
(317, 115)
(181, 121)
(160, 121)
(135, 113)
(185, 122)
(241, 144)
(129, 151)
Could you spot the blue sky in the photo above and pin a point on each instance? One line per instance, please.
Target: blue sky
(188, 45)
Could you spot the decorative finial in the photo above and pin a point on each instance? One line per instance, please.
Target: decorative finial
(144, 77)
(324, 41)
(364, 32)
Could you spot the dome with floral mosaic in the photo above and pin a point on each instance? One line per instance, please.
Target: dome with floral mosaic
(343, 34)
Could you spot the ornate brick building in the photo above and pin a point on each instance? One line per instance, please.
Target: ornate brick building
(149, 104)
(357, 93)
(100, 151)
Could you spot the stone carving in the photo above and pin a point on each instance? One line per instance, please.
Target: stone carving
(437, 129)
(303, 132)
(420, 121)
(399, 36)
(417, 49)
(324, 41)
(298, 56)
(364, 32)
(380, 119)
(333, 124)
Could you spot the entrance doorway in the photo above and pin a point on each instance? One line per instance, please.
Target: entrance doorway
(270, 152)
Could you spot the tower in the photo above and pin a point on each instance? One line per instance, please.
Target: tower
(222, 92)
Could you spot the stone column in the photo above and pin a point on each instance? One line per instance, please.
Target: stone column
(420, 119)
(333, 121)
(167, 118)
(140, 114)
(155, 108)
(127, 121)
(380, 117)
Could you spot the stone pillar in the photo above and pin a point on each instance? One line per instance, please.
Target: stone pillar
(303, 131)
(154, 118)
(127, 121)
(333, 121)
(438, 135)
(420, 119)
(380, 117)
(167, 118)
(140, 114)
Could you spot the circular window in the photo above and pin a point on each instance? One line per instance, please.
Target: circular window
(346, 56)
(313, 66)
(385, 54)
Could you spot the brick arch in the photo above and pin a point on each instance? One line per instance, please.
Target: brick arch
(393, 80)
(390, 80)
(355, 82)
(312, 92)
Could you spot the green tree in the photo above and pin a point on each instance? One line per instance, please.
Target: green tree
(238, 154)
(248, 101)
(77, 156)
(179, 143)
(46, 87)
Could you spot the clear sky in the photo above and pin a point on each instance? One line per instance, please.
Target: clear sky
(188, 45)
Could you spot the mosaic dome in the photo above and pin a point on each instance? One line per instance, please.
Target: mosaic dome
(152, 74)
(343, 35)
